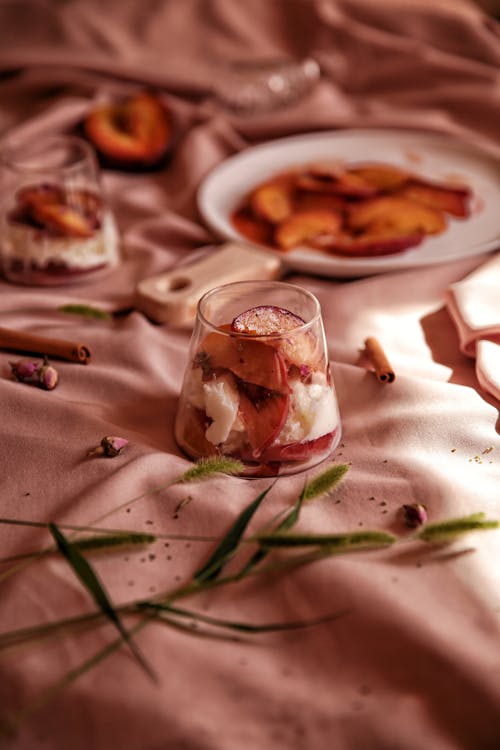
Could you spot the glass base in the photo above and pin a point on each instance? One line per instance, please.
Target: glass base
(274, 468)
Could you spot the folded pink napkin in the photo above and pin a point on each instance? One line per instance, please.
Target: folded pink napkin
(474, 305)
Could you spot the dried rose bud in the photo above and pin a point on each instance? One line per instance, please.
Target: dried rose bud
(414, 515)
(48, 376)
(24, 369)
(110, 446)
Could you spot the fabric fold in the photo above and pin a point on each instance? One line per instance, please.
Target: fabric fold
(474, 306)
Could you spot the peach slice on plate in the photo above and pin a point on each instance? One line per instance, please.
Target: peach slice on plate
(304, 226)
(255, 230)
(450, 199)
(134, 133)
(370, 244)
(307, 201)
(331, 177)
(396, 213)
(383, 177)
(272, 201)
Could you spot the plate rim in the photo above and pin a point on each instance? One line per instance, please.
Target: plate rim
(344, 266)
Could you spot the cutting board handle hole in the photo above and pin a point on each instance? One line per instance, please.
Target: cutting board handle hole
(175, 284)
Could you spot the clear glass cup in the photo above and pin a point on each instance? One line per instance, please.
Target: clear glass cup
(55, 225)
(257, 385)
(246, 87)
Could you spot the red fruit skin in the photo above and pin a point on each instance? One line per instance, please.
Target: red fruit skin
(299, 451)
(265, 319)
(372, 246)
(263, 419)
(251, 361)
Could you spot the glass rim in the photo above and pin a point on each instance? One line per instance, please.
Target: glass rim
(9, 147)
(268, 284)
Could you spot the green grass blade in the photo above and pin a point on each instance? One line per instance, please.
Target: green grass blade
(89, 579)
(447, 531)
(325, 482)
(243, 627)
(86, 311)
(353, 539)
(285, 524)
(225, 550)
(207, 467)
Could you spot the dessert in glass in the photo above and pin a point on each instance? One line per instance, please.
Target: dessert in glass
(55, 225)
(257, 386)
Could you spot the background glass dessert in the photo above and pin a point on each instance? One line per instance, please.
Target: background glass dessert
(55, 226)
(257, 385)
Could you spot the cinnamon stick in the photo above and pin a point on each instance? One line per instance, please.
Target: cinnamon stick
(378, 359)
(32, 343)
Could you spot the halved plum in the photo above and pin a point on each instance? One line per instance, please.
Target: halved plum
(299, 348)
(135, 132)
(304, 226)
(265, 319)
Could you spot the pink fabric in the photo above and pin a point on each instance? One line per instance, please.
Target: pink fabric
(474, 304)
(414, 663)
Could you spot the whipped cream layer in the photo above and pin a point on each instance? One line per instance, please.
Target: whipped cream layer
(35, 248)
(312, 411)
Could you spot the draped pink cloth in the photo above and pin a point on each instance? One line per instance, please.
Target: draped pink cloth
(414, 661)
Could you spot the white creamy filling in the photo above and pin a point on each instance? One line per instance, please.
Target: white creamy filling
(312, 412)
(29, 245)
(221, 405)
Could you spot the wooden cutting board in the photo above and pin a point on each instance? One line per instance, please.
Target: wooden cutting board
(172, 297)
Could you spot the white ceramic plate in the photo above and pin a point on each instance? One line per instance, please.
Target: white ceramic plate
(433, 156)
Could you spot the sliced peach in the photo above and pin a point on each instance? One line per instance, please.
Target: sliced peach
(307, 201)
(384, 177)
(331, 177)
(372, 244)
(272, 201)
(304, 226)
(252, 228)
(348, 185)
(393, 212)
(452, 200)
(253, 362)
(61, 220)
(263, 415)
(299, 451)
(134, 132)
(194, 427)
